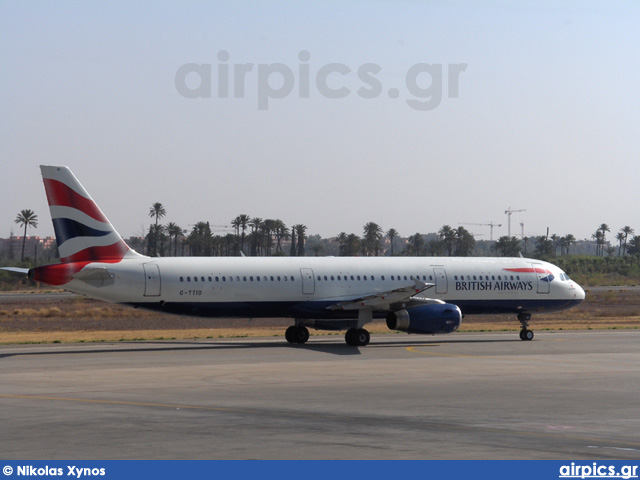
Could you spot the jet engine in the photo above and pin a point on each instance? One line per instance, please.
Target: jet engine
(436, 318)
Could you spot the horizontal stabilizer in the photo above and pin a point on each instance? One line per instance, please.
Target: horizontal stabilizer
(24, 271)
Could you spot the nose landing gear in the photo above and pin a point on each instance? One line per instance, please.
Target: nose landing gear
(525, 333)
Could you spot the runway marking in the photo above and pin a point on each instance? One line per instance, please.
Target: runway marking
(468, 428)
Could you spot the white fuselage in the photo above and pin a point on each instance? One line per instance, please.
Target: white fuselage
(303, 287)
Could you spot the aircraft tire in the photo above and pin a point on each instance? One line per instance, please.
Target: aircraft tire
(357, 337)
(363, 337)
(301, 335)
(526, 335)
(289, 334)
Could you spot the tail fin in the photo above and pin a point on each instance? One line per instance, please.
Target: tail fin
(82, 231)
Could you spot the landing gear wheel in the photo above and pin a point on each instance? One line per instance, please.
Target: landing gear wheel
(297, 334)
(525, 333)
(288, 334)
(357, 337)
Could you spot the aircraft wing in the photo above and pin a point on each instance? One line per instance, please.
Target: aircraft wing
(383, 300)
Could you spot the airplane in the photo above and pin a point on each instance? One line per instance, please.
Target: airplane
(424, 295)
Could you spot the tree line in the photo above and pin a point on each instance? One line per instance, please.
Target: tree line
(255, 236)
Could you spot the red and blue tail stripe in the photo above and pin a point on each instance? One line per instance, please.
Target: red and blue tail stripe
(83, 233)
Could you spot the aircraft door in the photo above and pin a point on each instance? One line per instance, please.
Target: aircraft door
(151, 280)
(441, 280)
(543, 278)
(308, 282)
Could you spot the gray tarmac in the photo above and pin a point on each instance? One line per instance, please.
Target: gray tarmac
(565, 395)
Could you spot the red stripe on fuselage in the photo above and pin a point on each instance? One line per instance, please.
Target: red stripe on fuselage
(61, 195)
(62, 273)
(528, 270)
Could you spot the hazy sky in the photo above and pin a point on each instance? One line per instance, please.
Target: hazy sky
(539, 110)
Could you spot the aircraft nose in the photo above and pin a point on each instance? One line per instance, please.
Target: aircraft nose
(578, 292)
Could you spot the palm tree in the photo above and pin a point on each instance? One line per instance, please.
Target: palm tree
(351, 245)
(415, 246)
(26, 218)
(465, 243)
(604, 228)
(627, 231)
(156, 210)
(620, 238)
(293, 249)
(569, 240)
(300, 233)
(372, 237)
(507, 246)
(392, 233)
(175, 232)
(241, 222)
(448, 236)
(282, 233)
(256, 224)
(598, 236)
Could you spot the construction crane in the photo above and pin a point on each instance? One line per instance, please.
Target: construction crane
(509, 212)
(490, 224)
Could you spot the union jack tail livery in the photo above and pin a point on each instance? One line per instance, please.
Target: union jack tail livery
(83, 233)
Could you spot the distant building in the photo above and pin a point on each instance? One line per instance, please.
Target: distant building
(35, 247)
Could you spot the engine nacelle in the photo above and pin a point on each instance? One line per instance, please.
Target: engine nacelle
(436, 318)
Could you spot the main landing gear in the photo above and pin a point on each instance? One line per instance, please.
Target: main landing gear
(297, 334)
(525, 333)
(357, 337)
